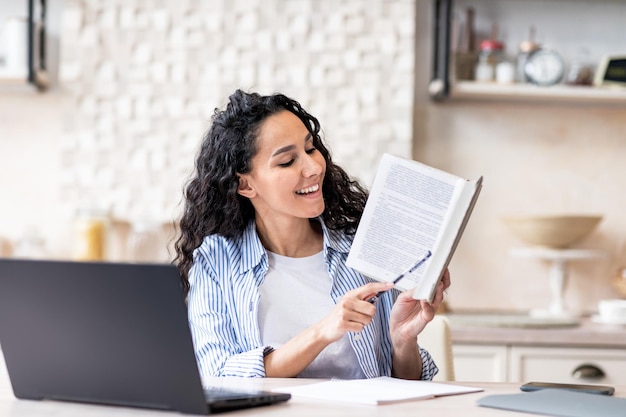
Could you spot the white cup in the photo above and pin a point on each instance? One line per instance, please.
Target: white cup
(612, 310)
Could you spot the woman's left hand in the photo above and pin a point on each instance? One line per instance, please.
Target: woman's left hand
(410, 316)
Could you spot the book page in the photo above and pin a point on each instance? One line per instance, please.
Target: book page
(412, 208)
(410, 202)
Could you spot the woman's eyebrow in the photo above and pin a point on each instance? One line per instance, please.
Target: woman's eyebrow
(287, 148)
(283, 149)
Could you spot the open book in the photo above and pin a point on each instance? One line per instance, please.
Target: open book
(374, 391)
(412, 209)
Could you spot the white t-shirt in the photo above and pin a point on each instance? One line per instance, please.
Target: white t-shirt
(295, 294)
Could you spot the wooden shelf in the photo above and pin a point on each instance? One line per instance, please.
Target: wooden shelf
(527, 92)
(557, 31)
(16, 85)
(5, 79)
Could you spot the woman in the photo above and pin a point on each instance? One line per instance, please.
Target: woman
(266, 230)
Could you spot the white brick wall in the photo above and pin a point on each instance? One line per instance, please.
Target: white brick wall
(145, 76)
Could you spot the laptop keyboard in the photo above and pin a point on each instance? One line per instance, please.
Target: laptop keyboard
(221, 393)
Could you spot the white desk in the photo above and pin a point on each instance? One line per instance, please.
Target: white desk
(453, 406)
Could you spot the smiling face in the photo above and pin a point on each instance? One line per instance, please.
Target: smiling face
(285, 182)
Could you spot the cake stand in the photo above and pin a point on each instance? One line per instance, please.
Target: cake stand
(559, 259)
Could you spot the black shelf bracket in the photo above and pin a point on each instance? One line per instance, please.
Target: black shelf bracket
(37, 73)
(439, 87)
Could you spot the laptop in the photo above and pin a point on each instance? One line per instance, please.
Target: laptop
(106, 333)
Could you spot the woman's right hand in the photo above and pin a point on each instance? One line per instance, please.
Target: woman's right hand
(352, 313)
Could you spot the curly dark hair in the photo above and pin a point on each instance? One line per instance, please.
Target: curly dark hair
(212, 204)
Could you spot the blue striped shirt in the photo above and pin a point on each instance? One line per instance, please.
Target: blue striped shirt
(223, 302)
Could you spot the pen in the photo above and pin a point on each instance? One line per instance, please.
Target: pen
(399, 277)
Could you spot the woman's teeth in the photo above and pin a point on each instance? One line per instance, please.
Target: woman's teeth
(308, 190)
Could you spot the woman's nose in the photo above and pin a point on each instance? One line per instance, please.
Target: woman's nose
(312, 165)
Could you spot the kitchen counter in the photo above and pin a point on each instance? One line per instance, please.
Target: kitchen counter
(468, 329)
(517, 348)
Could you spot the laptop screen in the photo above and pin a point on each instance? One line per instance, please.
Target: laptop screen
(107, 333)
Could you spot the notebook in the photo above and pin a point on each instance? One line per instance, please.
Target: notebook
(107, 333)
(376, 391)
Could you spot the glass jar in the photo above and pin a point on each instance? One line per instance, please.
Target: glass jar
(491, 54)
(505, 72)
(144, 242)
(90, 236)
(526, 48)
(30, 245)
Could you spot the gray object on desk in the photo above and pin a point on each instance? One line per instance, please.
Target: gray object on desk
(105, 333)
(557, 402)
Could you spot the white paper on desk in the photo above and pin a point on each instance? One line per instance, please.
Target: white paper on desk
(381, 390)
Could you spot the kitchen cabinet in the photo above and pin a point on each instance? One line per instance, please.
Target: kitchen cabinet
(511, 363)
(582, 33)
(487, 363)
(522, 351)
(568, 365)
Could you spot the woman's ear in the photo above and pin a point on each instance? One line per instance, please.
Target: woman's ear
(244, 189)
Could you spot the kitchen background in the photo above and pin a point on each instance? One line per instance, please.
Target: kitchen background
(139, 79)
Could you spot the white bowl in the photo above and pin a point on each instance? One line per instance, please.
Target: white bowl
(612, 310)
(552, 231)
